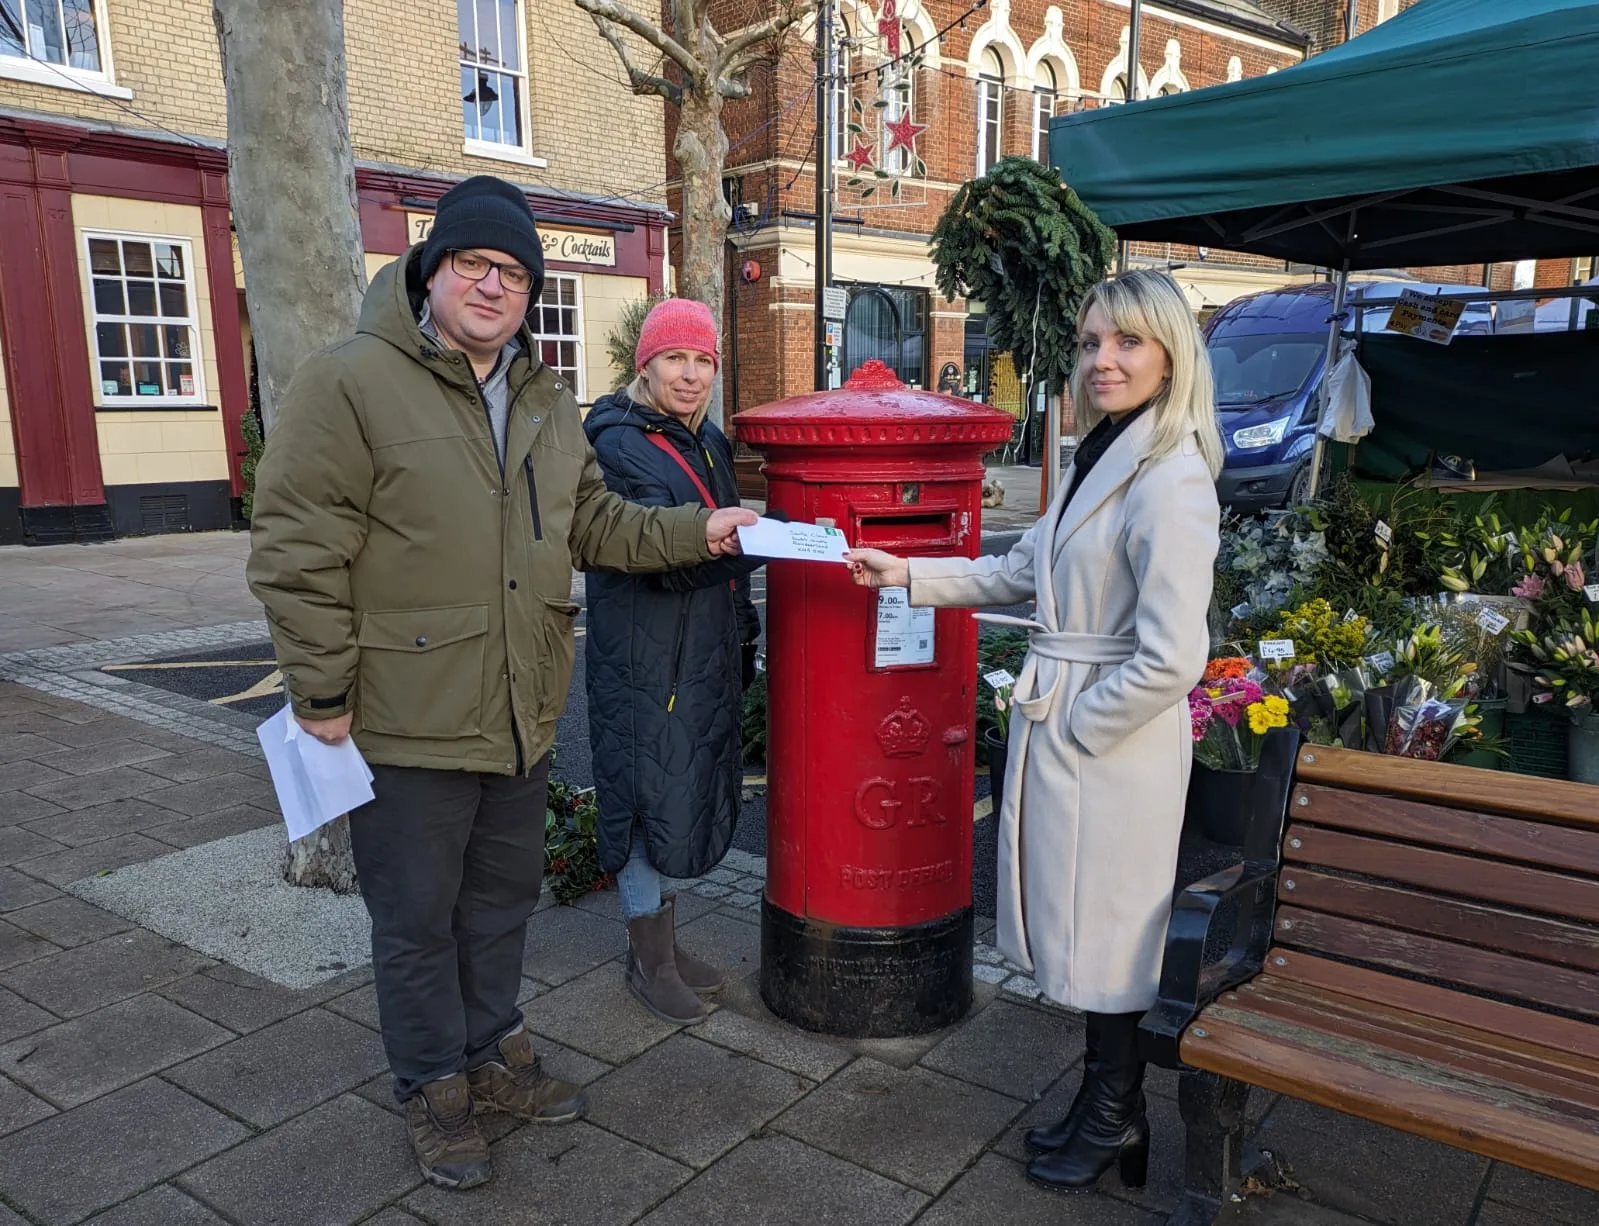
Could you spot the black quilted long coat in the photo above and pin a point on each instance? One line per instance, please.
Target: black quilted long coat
(663, 658)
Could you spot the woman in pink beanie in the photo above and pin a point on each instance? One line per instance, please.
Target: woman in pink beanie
(666, 660)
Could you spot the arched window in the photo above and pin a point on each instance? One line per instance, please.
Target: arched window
(839, 70)
(1045, 94)
(1168, 89)
(899, 91)
(990, 111)
(1118, 90)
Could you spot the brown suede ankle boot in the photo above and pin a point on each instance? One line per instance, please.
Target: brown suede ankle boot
(652, 973)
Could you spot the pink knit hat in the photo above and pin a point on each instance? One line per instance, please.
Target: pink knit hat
(677, 323)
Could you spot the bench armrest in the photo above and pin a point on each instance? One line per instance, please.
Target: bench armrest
(1187, 985)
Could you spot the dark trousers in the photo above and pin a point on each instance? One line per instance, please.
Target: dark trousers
(450, 865)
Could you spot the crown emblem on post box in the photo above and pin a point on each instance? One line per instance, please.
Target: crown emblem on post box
(904, 732)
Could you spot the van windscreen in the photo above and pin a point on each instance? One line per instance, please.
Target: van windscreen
(1255, 369)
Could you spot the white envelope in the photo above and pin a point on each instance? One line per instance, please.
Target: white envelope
(771, 538)
(315, 782)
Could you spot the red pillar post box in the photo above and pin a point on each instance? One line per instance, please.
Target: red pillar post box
(866, 925)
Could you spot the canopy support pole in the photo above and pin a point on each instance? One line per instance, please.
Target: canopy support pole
(1318, 452)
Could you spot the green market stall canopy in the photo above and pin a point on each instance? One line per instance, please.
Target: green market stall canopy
(1460, 131)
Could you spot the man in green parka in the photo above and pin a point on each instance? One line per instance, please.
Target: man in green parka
(424, 496)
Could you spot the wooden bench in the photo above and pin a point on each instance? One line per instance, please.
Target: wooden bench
(1413, 943)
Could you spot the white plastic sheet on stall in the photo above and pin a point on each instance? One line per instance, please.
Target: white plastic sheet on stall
(1348, 415)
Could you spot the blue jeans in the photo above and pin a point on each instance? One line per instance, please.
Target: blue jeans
(638, 882)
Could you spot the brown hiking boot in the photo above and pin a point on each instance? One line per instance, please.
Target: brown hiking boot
(444, 1134)
(518, 1085)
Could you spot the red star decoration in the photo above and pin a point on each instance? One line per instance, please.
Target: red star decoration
(903, 133)
(861, 156)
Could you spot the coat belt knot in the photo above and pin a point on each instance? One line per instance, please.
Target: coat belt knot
(1039, 684)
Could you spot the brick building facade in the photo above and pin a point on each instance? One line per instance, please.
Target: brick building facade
(989, 77)
(988, 80)
(124, 339)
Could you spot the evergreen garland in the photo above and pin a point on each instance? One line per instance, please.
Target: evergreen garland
(1019, 241)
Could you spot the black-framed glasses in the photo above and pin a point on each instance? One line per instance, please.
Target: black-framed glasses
(474, 267)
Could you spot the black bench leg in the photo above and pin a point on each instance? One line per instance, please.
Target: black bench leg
(1213, 1110)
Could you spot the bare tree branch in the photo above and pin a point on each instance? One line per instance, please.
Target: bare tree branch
(761, 31)
(649, 31)
(728, 87)
(642, 82)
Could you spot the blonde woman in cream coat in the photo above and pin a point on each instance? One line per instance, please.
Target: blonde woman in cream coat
(1100, 744)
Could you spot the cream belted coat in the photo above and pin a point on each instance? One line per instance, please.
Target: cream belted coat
(1100, 744)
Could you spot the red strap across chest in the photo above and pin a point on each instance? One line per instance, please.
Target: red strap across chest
(661, 441)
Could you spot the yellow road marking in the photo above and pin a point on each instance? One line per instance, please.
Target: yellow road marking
(271, 684)
(129, 668)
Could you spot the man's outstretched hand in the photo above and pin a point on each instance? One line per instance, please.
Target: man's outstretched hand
(721, 532)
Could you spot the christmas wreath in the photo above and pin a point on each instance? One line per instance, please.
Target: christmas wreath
(1019, 241)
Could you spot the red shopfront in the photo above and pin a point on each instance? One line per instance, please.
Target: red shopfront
(124, 335)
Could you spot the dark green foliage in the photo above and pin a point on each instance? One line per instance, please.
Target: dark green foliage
(754, 724)
(621, 342)
(571, 848)
(253, 444)
(1019, 241)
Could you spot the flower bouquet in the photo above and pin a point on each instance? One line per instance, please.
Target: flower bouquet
(1230, 714)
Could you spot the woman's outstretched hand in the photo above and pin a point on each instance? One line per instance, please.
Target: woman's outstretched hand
(874, 568)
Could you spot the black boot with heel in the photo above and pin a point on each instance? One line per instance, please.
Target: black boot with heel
(1107, 1125)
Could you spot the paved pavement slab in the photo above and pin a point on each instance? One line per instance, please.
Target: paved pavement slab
(596, 1015)
(17, 946)
(574, 1175)
(194, 831)
(239, 1000)
(104, 756)
(778, 1181)
(565, 942)
(1371, 1171)
(18, 1016)
(743, 1024)
(1515, 1191)
(19, 890)
(996, 1190)
(731, 945)
(84, 979)
(690, 1100)
(162, 1206)
(94, 859)
(68, 1166)
(18, 1108)
(80, 1060)
(79, 827)
(333, 1165)
(1015, 1049)
(285, 1068)
(915, 1126)
(17, 843)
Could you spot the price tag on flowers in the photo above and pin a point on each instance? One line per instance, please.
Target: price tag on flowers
(1591, 591)
(1383, 533)
(999, 679)
(1276, 649)
(1492, 621)
(1382, 663)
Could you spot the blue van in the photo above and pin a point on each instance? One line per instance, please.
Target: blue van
(1269, 354)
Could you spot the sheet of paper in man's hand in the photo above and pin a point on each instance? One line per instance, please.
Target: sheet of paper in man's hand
(797, 542)
(315, 782)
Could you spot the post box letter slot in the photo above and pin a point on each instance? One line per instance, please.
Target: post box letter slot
(916, 530)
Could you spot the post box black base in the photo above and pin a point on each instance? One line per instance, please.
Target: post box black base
(866, 983)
